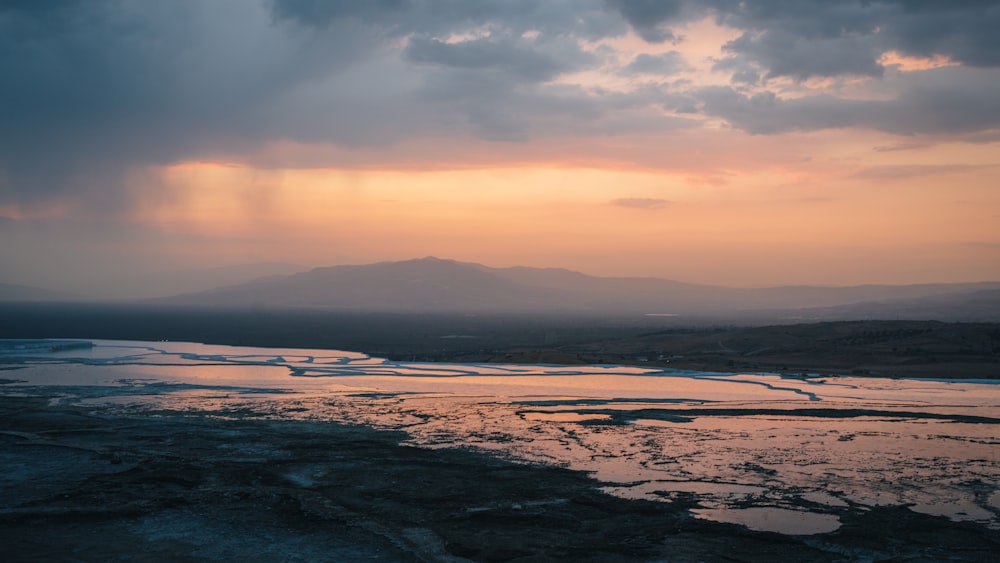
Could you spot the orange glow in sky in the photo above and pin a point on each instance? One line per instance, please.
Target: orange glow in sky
(771, 222)
(715, 144)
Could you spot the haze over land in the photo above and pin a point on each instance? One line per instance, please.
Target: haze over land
(738, 144)
(433, 285)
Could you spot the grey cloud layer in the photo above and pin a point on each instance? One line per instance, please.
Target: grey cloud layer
(807, 38)
(94, 88)
(666, 64)
(940, 101)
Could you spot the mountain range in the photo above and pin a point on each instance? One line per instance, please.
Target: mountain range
(136, 285)
(18, 292)
(446, 286)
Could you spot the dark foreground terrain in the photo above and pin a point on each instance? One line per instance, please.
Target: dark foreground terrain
(880, 348)
(79, 484)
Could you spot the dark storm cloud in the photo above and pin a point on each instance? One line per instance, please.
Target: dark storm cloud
(801, 39)
(584, 19)
(502, 45)
(500, 110)
(493, 84)
(963, 30)
(941, 101)
(95, 89)
(806, 38)
(784, 53)
(521, 62)
(323, 12)
(92, 88)
(766, 113)
(649, 18)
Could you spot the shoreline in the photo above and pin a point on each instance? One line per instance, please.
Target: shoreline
(985, 372)
(918, 349)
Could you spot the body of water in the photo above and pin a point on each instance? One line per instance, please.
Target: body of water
(771, 452)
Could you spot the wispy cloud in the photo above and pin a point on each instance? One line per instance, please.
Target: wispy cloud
(641, 202)
(900, 147)
(916, 170)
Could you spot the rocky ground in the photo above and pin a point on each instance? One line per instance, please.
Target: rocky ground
(83, 484)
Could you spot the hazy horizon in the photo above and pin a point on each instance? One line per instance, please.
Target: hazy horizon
(141, 287)
(165, 282)
(743, 144)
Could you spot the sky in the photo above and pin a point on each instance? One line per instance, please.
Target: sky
(739, 143)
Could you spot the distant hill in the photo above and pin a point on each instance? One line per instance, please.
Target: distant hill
(972, 306)
(447, 286)
(144, 284)
(15, 292)
(163, 284)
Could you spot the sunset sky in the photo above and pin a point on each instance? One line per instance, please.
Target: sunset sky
(740, 143)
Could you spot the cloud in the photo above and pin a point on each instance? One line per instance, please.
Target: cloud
(518, 60)
(648, 17)
(664, 64)
(318, 13)
(915, 170)
(95, 90)
(89, 100)
(805, 39)
(584, 19)
(494, 87)
(859, 31)
(742, 71)
(901, 147)
(765, 113)
(947, 100)
(819, 38)
(964, 31)
(783, 53)
(641, 202)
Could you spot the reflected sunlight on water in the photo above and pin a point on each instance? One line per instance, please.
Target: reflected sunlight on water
(769, 452)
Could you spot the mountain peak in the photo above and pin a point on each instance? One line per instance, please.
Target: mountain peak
(428, 260)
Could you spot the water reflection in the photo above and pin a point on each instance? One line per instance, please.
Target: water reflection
(769, 452)
(767, 519)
